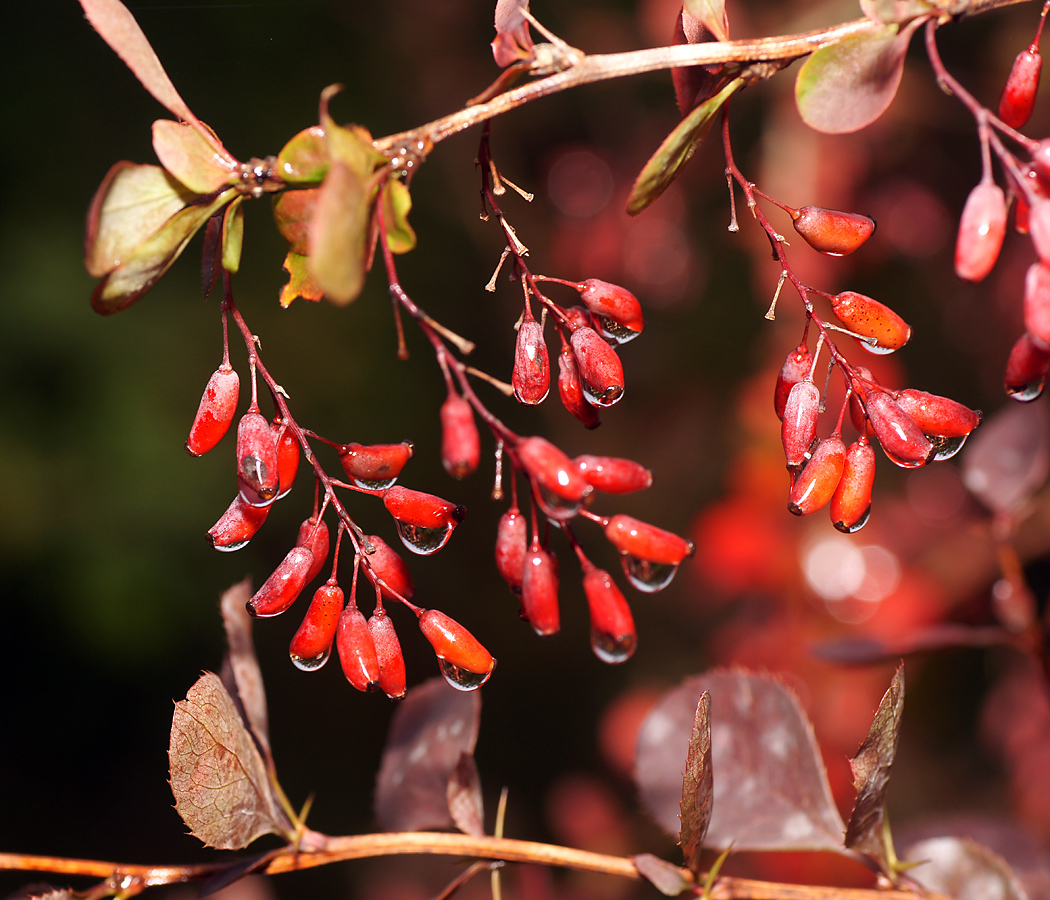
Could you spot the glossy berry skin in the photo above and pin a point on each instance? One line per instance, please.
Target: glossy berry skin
(237, 525)
(313, 641)
(357, 650)
(578, 316)
(816, 483)
(856, 408)
(796, 368)
(644, 541)
(389, 656)
(531, 378)
(570, 389)
(617, 312)
(314, 535)
(215, 412)
(420, 509)
(287, 456)
(884, 329)
(1022, 84)
(1039, 227)
(1026, 370)
(283, 587)
(601, 372)
(561, 487)
(613, 635)
(982, 228)
(374, 465)
(1037, 304)
(257, 467)
(512, 541)
(384, 563)
(831, 231)
(937, 415)
(460, 442)
(539, 590)
(799, 427)
(613, 475)
(453, 643)
(851, 502)
(902, 440)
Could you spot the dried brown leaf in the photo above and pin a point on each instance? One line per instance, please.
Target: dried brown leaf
(963, 869)
(245, 683)
(666, 877)
(464, 797)
(697, 788)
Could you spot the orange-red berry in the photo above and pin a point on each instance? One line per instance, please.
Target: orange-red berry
(617, 312)
(539, 590)
(937, 415)
(460, 442)
(237, 525)
(283, 587)
(388, 654)
(796, 368)
(570, 389)
(385, 564)
(531, 378)
(257, 468)
(901, 438)
(374, 466)
(1022, 84)
(613, 635)
(287, 456)
(799, 427)
(465, 663)
(982, 228)
(512, 541)
(312, 643)
(601, 372)
(816, 483)
(313, 533)
(1026, 370)
(851, 504)
(357, 650)
(614, 475)
(560, 485)
(215, 412)
(831, 231)
(881, 328)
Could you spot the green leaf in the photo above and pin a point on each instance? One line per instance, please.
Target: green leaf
(397, 203)
(697, 787)
(848, 85)
(184, 152)
(304, 159)
(301, 282)
(672, 155)
(712, 15)
(131, 205)
(233, 235)
(338, 234)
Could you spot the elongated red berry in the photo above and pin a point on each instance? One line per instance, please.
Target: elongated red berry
(237, 525)
(312, 643)
(1022, 84)
(1037, 304)
(281, 589)
(388, 655)
(313, 533)
(650, 555)
(613, 635)
(856, 408)
(831, 231)
(617, 311)
(216, 410)
(385, 564)
(287, 456)
(357, 650)
(884, 330)
(512, 541)
(374, 466)
(560, 486)
(460, 442)
(539, 590)
(257, 468)
(799, 427)
(601, 372)
(940, 416)
(570, 389)
(902, 440)
(796, 368)
(816, 483)
(851, 504)
(578, 316)
(424, 522)
(982, 228)
(614, 475)
(531, 378)
(464, 662)
(1026, 370)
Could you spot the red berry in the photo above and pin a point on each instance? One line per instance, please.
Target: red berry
(464, 662)
(1026, 370)
(799, 427)
(856, 408)
(650, 555)
(539, 590)
(1039, 227)
(617, 312)
(216, 410)
(817, 482)
(796, 368)
(512, 541)
(614, 475)
(831, 231)
(313, 533)
(601, 372)
(374, 466)
(851, 504)
(1037, 304)
(424, 522)
(577, 316)
(571, 390)
(257, 469)
(982, 228)
(938, 416)
(460, 443)
(559, 485)
(312, 643)
(884, 330)
(531, 378)
(902, 440)
(357, 650)
(385, 564)
(237, 525)
(388, 654)
(283, 587)
(1021, 214)
(287, 456)
(1018, 100)
(613, 635)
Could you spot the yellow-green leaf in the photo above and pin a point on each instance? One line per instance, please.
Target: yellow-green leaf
(233, 235)
(292, 212)
(397, 203)
(304, 159)
(338, 234)
(185, 153)
(301, 282)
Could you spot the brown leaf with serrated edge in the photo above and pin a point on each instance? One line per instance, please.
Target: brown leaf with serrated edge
(772, 790)
(245, 684)
(430, 728)
(218, 777)
(666, 877)
(464, 797)
(697, 786)
(964, 869)
(871, 774)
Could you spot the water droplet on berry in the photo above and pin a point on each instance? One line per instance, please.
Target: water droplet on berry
(422, 540)
(462, 679)
(903, 463)
(646, 575)
(313, 663)
(856, 526)
(377, 484)
(612, 330)
(229, 548)
(945, 447)
(1027, 392)
(601, 396)
(613, 649)
(555, 506)
(877, 349)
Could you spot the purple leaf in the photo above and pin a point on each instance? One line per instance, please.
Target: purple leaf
(464, 797)
(667, 878)
(432, 726)
(963, 869)
(697, 793)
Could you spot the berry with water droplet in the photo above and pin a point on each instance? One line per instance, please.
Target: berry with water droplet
(856, 408)
(882, 330)
(578, 316)
(851, 504)
(512, 541)
(281, 589)
(424, 522)
(831, 231)
(237, 525)
(614, 475)
(1022, 84)
(257, 468)
(650, 555)
(570, 389)
(388, 654)
(799, 427)
(1026, 370)
(982, 228)
(384, 563)
(357, 650)
(940, 416)
(374, 466)
(796, 368)
(616, 311)
(601, 372)
(560, 488)
(460, 442)
(613, 635)
(312, 643)
(902, 440)
(287, 456)
(816, 483)
(1037, 304)
(539, 590)
(313, 533)
(463, 661)
(216, 410)
(531, 378)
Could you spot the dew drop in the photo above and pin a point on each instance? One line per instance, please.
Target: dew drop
(423, 541)
(645, 575)
(856, 526)
(462, 679)
(604, 397)
(613, 649)
(311, 664)
(904, 463)
(557, 507)
(227, 548)
(945, 447)
(1026, 393)
(876, 348)
(374, 484)
(612, 330)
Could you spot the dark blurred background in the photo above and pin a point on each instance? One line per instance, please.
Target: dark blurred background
(108, 591)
